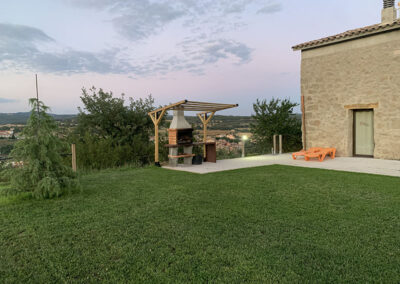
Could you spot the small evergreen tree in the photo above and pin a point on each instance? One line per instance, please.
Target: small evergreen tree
(42, 171)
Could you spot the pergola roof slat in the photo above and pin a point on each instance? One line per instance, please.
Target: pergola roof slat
(195, 106)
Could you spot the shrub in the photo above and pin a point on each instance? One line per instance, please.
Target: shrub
(112, 132)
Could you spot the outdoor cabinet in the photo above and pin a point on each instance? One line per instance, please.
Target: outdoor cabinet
(211, 152)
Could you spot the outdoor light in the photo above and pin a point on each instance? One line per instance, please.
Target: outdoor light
(244, 138)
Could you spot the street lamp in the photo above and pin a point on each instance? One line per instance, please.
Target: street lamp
(244, 138)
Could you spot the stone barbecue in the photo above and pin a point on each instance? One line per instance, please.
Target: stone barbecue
(180, 133)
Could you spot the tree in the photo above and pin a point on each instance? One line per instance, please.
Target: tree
(113, 132)
(41, 170)
(276, 117)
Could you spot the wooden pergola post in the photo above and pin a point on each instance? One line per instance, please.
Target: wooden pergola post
(156, 118)
(205, 119)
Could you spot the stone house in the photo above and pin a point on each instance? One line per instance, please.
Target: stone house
(350, 87)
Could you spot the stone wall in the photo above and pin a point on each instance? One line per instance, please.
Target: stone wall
(355, 74)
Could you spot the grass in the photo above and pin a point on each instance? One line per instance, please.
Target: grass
(268, 224)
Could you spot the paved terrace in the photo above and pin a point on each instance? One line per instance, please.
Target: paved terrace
(359, 165)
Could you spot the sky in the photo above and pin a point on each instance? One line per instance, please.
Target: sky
(225, 51)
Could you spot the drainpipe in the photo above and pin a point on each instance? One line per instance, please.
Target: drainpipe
(303, 121)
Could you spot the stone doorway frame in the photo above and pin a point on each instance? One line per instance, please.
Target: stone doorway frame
(351, 124)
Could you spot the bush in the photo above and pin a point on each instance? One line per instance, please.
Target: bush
(101, 153)
(112, 133)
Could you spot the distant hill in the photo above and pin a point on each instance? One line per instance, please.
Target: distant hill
(218, 122)
(22, 117)
(224, 122)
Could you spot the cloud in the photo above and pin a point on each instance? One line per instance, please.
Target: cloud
(196, 55)
(22, 33)
(145, 20)
(271, 7)
(136, 19)
(203, 52)
(6, 101)
(140, 19)
(209, 24)
(207, 21)
(28, 48)
(23, 47)
(224, 49)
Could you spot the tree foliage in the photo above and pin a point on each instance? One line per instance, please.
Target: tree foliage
(6, 149)
(112, 131)
(276, 117)
(40, 168)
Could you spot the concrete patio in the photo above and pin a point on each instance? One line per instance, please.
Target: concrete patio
(359, 165)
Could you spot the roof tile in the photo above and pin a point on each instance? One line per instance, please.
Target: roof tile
(351, 34)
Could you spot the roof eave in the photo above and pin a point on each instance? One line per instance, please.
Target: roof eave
(344, 39)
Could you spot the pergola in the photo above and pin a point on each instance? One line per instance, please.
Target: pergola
(206, 112)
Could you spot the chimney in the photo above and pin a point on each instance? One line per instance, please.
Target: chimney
(389, 13)
(179, 121)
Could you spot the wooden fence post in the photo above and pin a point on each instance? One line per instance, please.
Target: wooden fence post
(280, 144)
(73, 150)
(274, 143)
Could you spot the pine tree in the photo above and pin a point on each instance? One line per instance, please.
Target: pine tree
(42, 171)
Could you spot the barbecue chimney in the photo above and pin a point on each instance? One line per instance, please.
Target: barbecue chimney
(180, 131)
(179, 121)
(389, 13)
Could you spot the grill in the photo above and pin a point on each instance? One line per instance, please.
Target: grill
(180, 136)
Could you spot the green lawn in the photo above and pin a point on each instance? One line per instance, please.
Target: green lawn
(267, 224)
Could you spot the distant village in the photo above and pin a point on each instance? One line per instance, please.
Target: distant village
(7, 134)
(227, 141)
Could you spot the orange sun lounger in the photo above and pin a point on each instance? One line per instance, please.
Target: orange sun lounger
(321, 154)
(304, 152)
(316, 152)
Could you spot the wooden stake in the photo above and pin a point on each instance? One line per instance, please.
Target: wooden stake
(37, 106)
(73, 150)
(37, 94)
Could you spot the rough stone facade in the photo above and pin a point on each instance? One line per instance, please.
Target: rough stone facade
(362, 73)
